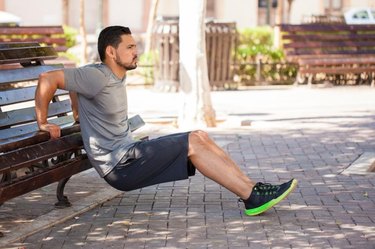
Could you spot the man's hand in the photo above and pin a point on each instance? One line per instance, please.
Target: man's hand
(54, 130)
(47, 85)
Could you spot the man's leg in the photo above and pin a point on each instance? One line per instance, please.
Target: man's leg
(214, 163)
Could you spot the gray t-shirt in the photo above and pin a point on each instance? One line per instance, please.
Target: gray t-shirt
(103, 114)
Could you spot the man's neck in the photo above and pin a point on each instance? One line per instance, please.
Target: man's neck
(120, 72)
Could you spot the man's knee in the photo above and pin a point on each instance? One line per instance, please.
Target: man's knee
(198, 137)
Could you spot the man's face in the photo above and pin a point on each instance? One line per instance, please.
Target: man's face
(126, 53)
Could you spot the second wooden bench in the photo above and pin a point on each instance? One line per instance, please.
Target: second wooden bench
(343, 52)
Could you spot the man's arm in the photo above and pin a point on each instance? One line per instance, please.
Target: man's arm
(48, 83)
(74, 101)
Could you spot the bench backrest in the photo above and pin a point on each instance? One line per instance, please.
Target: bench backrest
(20, 66)
(327, 39)
(48, 35)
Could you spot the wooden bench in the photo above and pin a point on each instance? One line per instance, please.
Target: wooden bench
(28, 158)
(339, 52)
(48, 35)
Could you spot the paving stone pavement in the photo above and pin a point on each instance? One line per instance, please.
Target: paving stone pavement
(311, 134)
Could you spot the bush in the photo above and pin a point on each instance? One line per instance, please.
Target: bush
(146, 66)
(257, 59)
(257, 42)
(70, 36)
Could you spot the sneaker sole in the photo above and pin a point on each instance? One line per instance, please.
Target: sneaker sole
(270, 204)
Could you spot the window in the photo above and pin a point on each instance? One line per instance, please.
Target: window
(264, 3)
(361, 15)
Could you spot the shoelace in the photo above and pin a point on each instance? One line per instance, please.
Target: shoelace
(265, 188)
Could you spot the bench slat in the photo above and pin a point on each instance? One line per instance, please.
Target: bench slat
(21, 116)
(358, 45)
(335, 61)
(9, 76)
(328, 37)
(39, 180)
(22, 95)
(326, 56)
(57, 43)
(34, 136)
(32, 30)
(326, 27)
(48, 40)
(310, 52)
(50, 35)
(19, 44)
(337, 70)
(27, 156)
(16, 133)
(27, 54)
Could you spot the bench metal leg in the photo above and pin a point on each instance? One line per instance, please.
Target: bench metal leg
(4, 177)
(62, 199)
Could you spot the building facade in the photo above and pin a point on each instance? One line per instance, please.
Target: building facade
(100, 13)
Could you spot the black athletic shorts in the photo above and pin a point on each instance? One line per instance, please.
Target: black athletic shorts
(151, 162)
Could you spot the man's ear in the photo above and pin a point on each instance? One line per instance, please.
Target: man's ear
(110, 52)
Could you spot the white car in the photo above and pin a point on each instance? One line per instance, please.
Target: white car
(360, 16)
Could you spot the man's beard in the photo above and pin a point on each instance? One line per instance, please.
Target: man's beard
(126, 66)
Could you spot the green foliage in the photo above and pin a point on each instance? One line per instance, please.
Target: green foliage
(146, 66)
(257, 42)
(70, 56)
(258, 60)
(70, 36)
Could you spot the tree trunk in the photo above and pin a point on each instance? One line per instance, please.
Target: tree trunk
(280, 12)
(196, 110)
(269, 10)
(65, 12)
(279, 20)
(289, 10)
(82, 31)
(150, 25)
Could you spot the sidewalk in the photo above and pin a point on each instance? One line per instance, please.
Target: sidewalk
(309, 134)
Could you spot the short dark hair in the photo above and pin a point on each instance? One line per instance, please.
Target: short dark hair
(110, 36)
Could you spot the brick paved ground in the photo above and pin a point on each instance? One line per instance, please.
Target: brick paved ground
(308, 134)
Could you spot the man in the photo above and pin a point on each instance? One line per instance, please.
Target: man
(98, 94)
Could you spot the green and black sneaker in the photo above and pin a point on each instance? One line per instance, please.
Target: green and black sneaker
(264, 196)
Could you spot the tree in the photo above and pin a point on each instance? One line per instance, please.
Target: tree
(82, 31)
(278, 20)
(290, 2)
(65, 12)
(150, 25)
(196, 108)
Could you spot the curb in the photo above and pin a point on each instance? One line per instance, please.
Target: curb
(59, 215)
